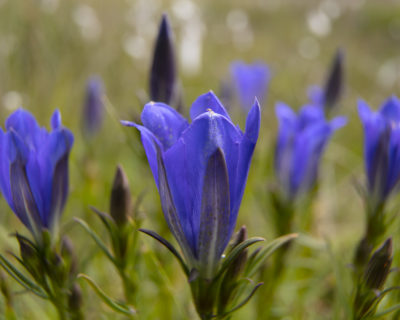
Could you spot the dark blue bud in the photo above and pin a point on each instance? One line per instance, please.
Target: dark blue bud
(163, 83)
(334, 82)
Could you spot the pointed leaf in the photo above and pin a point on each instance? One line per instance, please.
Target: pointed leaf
(267, 252)
(215, 213)
(241, 304)
(386, 312)
(96, 238)
(105, 218)
(20, 278)
(116, 306)
(169, 246)
(235, 252)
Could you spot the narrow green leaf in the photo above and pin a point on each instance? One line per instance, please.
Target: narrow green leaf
(387, 311)
(267, 252)
(20, 278)
(241, 304)
(105, 218)
(96, 238)
(169, 246)
(116, 306)
(235, 252)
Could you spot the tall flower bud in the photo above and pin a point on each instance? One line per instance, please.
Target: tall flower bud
(163, 75)
(120, 203)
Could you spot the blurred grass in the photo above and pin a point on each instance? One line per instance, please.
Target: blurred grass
(49, 48)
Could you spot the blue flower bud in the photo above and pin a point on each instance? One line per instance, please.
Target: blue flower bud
(300, 143)
(93, 111)
(34, 169)
(163, 82)
(200, 170)
(334, 82)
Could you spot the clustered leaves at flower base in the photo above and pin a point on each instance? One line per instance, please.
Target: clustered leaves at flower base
(301, 141)
(34, 169)
(200, 170)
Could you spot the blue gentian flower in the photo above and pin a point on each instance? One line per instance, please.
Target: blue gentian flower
(93, 111)
(381, 147)
(250, 81)
(300, 143)
(201, 172)
(34, 169)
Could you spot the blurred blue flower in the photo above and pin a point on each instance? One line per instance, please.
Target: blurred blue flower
(93, 111)
(381, 147)
(34, 169)
(250, 81)
(300, 143)
(200, 172)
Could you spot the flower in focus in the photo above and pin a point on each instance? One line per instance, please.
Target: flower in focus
(300, 143)
(93, 111)
(163, 78)
(250, 81)
(200, 170)
(381, 147)
(34, 169)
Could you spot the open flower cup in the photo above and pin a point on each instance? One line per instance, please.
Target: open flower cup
(200, 170)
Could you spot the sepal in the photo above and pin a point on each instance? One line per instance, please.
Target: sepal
(170, 247)
(256, 261)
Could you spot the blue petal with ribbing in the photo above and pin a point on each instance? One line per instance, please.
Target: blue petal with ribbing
(23, 122)
(374, 126)
(205, 102)
(391, 109)
(148, 141)
(246, 150)
(394, 161)
(186, 161)
(5, 168)
(307, 150)
(251, 80)
(164, 122)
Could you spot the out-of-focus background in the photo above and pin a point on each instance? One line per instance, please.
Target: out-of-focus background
(49, 48)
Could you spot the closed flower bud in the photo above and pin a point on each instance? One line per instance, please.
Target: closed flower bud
(120, 203)
(75, 300)
(163, 84)
(93, 109)
(378, 266)
(334, 82)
